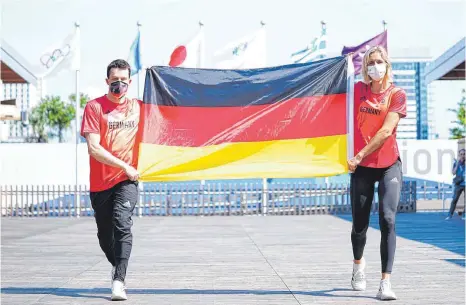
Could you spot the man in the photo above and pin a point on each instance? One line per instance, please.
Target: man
(110, 125)
(458, 183)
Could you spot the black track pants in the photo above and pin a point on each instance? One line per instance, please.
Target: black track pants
(362, 193)
(113, 211)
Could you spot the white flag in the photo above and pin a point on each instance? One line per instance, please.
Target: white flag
(248, 52)
(316, 50)
(189, 54)
(61, 56)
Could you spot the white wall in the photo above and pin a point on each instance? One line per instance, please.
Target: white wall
(428, 159)
(42, 164)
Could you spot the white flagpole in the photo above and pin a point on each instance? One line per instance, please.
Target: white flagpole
(141, 184)
(350, 107)
(384, 29)
(265, 38)
(201, 63)
(202, 49)
(324, 26)
(265, 185)
(77, 109)
(139, 73)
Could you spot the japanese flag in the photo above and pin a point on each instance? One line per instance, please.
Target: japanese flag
(190, 54)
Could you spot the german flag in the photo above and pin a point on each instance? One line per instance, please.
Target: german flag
(280, 122)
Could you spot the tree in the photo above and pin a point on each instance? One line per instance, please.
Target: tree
(459, 131)
(84, 98)
(38, 121)
(59, 115)
(51, 118)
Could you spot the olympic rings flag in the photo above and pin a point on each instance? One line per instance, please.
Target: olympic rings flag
(61, 56)
(288, 121)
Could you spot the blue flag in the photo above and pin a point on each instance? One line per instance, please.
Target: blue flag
(134, 58)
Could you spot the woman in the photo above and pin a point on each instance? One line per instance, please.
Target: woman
(458, 183)
(379, 105)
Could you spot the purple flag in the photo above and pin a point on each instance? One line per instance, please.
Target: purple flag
(379, 40)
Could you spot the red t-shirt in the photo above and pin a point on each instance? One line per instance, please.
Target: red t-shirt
(118, 126)
(370, 110)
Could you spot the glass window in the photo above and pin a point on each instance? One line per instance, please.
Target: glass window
(410, 77)
(404, 82)
(403, 66)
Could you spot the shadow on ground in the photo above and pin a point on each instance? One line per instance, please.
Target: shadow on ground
(97, 293)
(428, 228)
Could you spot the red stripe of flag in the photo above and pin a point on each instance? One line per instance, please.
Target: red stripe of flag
(297, 118)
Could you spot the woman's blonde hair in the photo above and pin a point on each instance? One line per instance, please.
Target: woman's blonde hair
(388, 78)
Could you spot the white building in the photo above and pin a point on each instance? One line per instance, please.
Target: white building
(409, 67)
(18, 81)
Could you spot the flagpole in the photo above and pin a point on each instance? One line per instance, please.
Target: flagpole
(138, 65)
(202, 51)
(77, 109)
(323, 25)
(139, 73)
(384, 23)
(201, 63)
(265, 37)
(265, 185)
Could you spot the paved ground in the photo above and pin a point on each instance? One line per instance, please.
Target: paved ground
(231, 260)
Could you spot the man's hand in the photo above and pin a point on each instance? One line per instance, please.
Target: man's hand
(354, 162)
(131, 172)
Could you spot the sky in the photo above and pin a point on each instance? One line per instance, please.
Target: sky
(108, 28)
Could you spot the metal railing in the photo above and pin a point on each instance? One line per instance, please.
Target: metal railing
(158, 199)
(431, 191)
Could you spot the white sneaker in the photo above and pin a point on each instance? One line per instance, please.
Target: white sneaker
(358, 280)
(385, 291)
(448, 218)
(118, 291)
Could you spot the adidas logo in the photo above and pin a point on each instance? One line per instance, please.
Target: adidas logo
(395, 180)
(127, 204)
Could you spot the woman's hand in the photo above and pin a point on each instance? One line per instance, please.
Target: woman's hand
(354, 162)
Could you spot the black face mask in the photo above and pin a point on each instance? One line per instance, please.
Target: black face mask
(118, 88)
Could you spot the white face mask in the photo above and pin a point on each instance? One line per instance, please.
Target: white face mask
(377, 71)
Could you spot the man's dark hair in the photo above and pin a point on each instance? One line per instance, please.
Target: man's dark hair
(119, 64)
